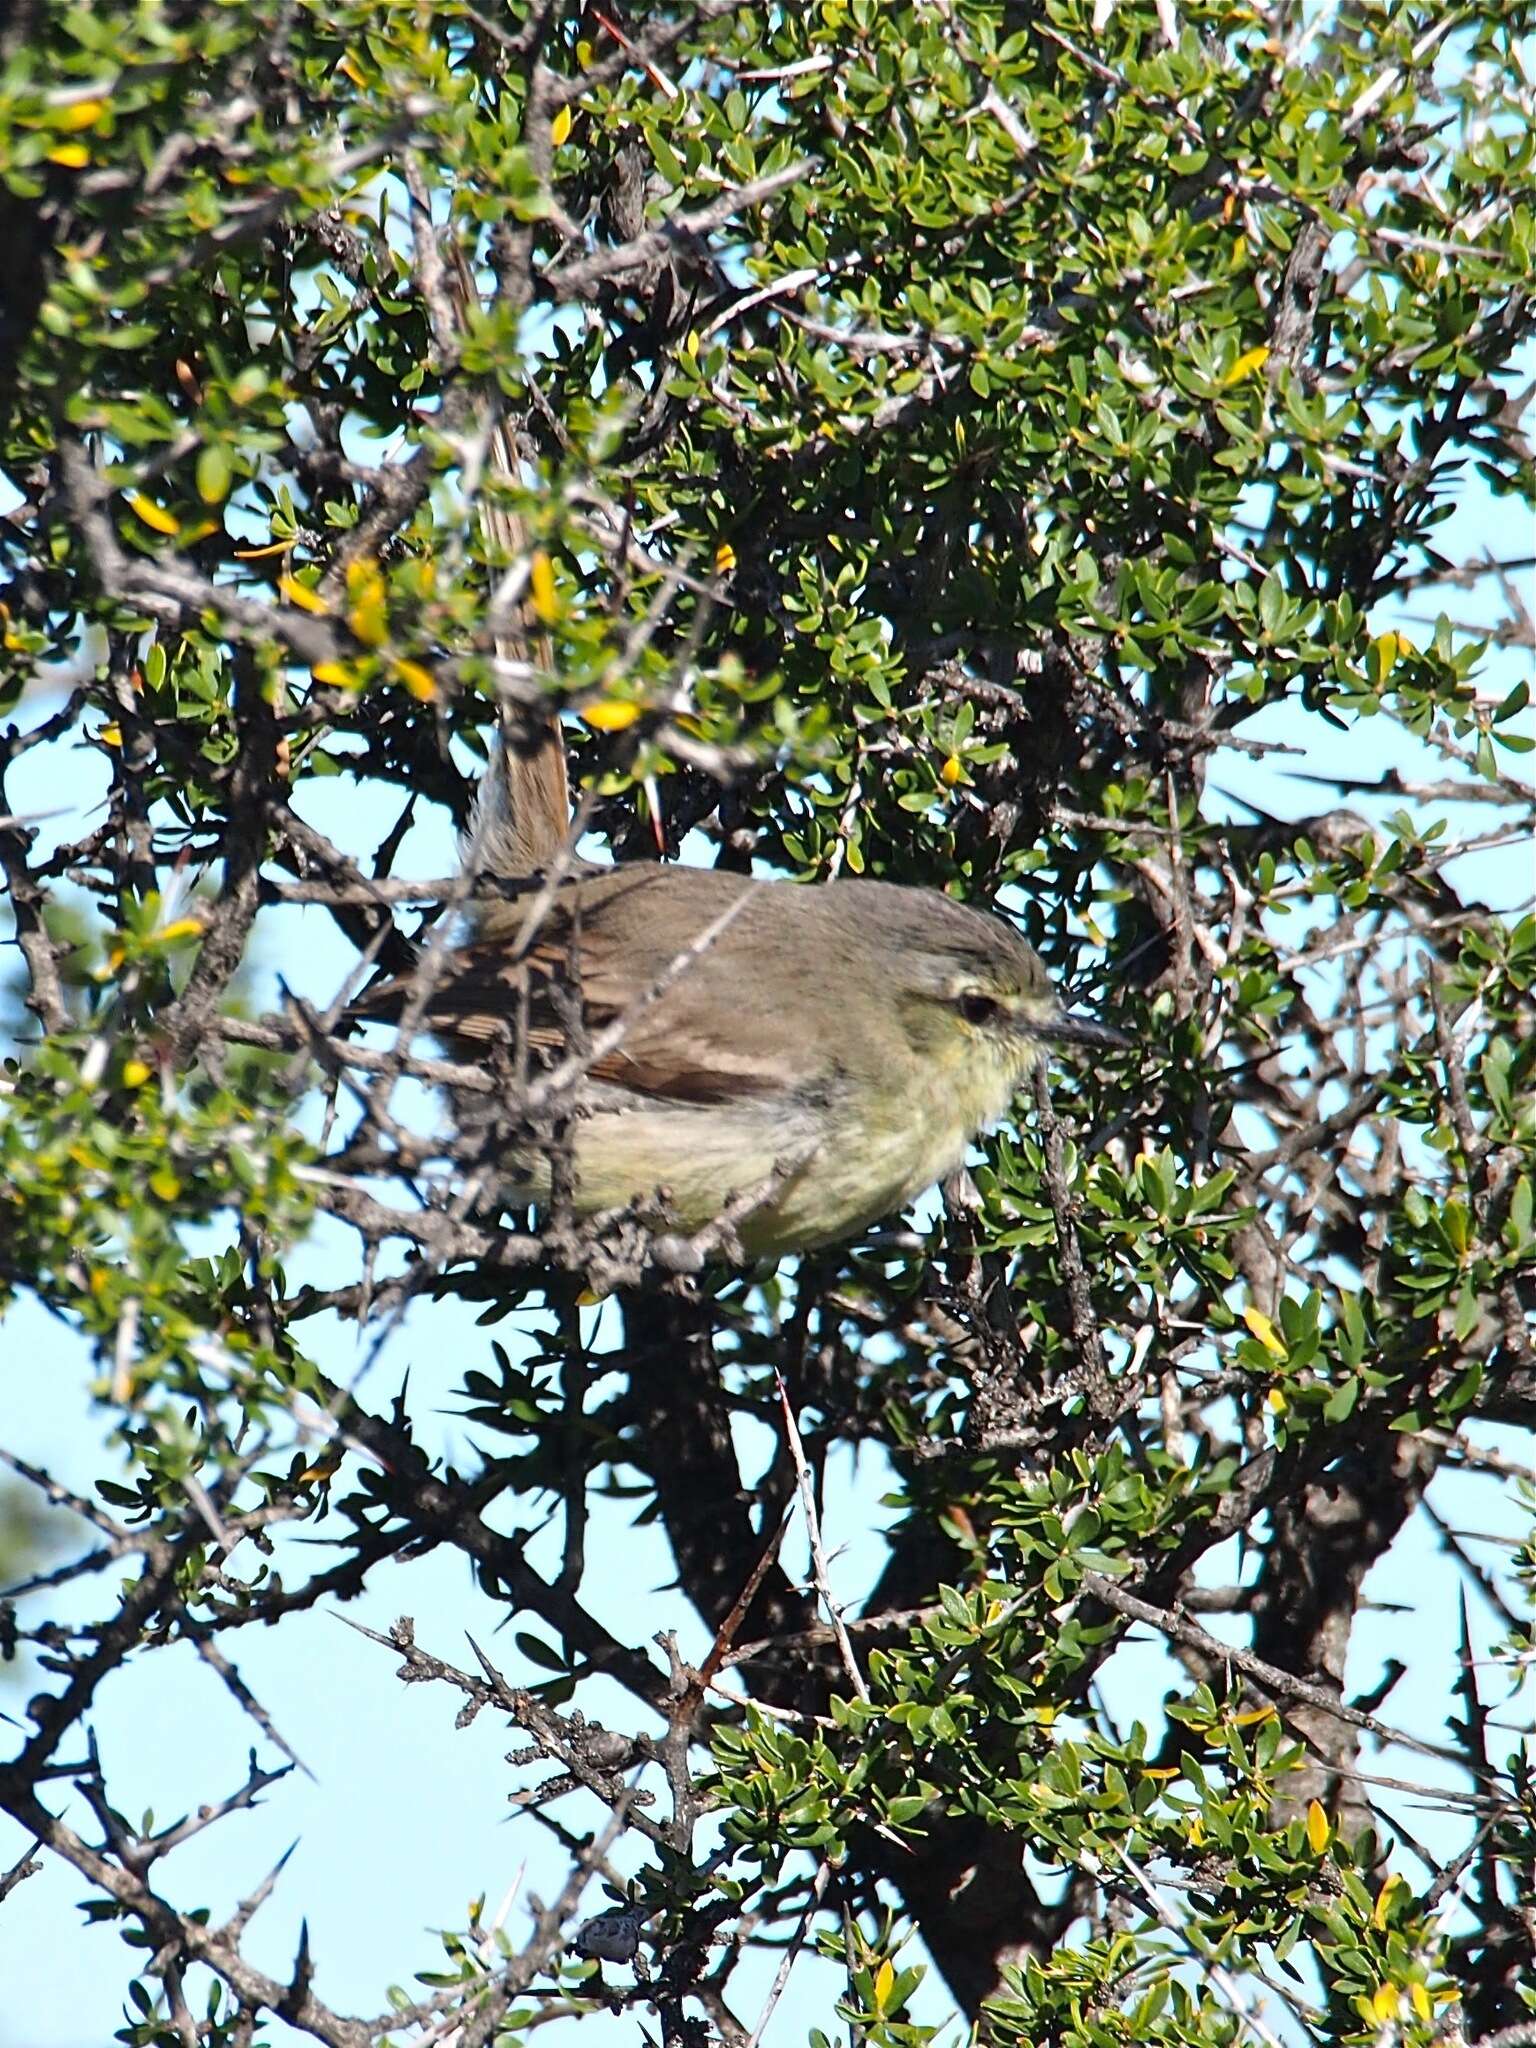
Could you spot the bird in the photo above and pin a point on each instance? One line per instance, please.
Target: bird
(819, 1051)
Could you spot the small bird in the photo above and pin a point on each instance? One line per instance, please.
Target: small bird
(836, 1046)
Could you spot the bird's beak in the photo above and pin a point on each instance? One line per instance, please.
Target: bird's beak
(1068, 1029)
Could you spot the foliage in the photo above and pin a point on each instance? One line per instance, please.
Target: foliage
(949, 442)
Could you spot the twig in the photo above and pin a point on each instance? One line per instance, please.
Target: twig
(781, 1975)
(1179, 1629)
(1093, 1370)
(725, 1634)
(1220, 1977)
(813, 1531)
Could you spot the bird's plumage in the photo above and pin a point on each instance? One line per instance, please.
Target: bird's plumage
(689, 1063)
(616, 935)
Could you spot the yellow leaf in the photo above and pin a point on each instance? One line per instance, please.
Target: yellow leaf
(609, 714)
(1253, 1715)
(1385, 649)
(418, 680)
(691, 345)
(1384, 1900)
(725, 559)
(111, 735)
(584, 55)
(180, 928)
(153, 515)
(366, 611)
(163, 1182)
(338, 672)
(542, 592)
(301, 595)
(1319, 1833)
(951, 772)
(885, 1977)
(83, 114)
(1196, 1832)
(73, 156)
(1275, 1401)
(273, 547)
(560, 127)
(366, 622)
(135, 1073)
(1386, 2002)
(1250, 360)
(1419, 1996)
(348, 69)
(1264, 1330)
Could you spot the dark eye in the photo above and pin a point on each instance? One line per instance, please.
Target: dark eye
(978, 1008)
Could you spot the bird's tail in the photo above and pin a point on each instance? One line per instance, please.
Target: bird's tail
(522, 817)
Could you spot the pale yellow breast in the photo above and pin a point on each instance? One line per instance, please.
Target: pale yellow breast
(845, 1163)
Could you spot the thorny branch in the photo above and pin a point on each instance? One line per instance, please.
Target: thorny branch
(1307, 1123)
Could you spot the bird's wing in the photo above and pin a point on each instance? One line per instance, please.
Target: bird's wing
(603, 949)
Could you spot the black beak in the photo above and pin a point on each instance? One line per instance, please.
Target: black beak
(1068, 1029)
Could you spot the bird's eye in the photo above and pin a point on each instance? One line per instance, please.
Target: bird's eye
(976, 1007)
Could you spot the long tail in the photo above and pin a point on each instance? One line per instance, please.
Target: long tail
(523, 816)
(512, 833)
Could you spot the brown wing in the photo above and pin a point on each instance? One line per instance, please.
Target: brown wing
(691, 1033)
